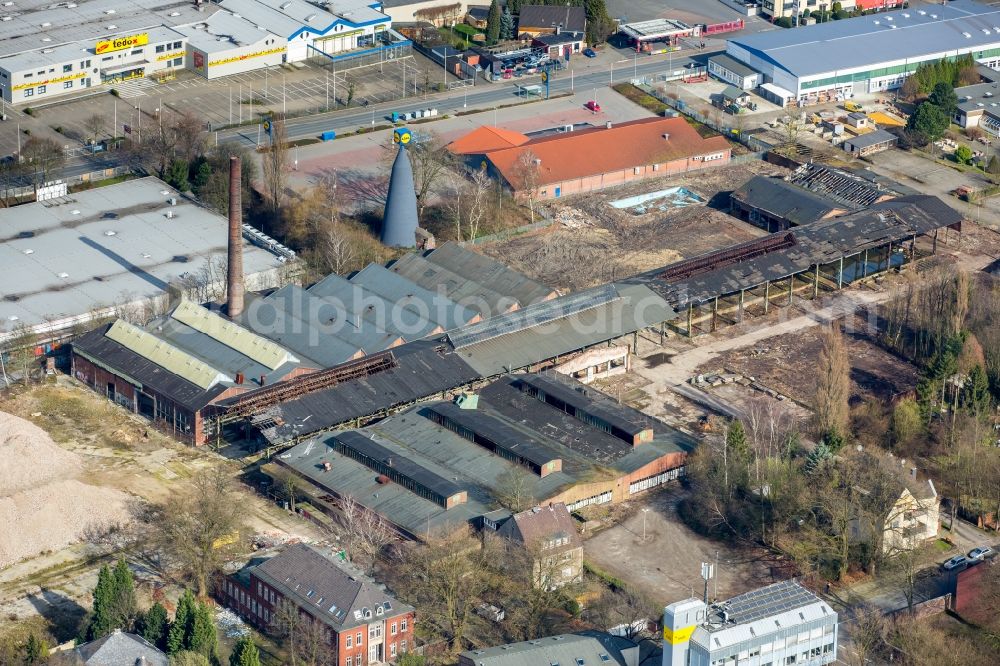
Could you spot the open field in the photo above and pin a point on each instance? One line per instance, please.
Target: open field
(593, 242)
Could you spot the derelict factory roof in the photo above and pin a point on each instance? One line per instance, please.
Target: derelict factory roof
(32, 22)
(778, 197)
(67, 256)
(884, 37)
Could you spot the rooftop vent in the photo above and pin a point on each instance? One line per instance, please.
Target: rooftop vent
(109, 11)
(46, 50)
(70, 5)
(174, 14)
(64, 275)
(310, 18)
(29, 251)
(966, 35)
(987, 94)
(75, 211)
(8, 4)
(46, 24)
(921, 12)
(46, 39)
(109, 232)
(933, 16)
(284, 6)
(666, 136)
(112, 26)
(6, 18)
(986, 31)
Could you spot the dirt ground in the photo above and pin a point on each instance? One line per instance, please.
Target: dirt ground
(118, 451)
(667, 566)
(786, 364)
(594, 243)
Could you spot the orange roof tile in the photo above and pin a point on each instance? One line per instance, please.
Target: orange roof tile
(601, 150)
(486, 139)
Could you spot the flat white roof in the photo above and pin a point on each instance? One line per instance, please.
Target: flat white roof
(68, 256)
(655, 28)
(224, 31)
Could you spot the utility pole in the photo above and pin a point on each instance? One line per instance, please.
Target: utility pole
(283, 111)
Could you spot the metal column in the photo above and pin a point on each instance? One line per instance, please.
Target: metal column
(715, 313)
(742, 292)
(690, 324)
(816, 283)
(767, 295)
(864, 265)
(791, 284)
(840, 274)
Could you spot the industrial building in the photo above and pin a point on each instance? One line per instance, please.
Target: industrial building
(868, 54)
(783, 623)
(869, 143)
(585, 160)
(442, 465)
(979, 104)
(124, 248)
(54, 49)
(586, 647)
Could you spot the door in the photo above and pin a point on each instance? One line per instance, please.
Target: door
(111, 391)
(558, 191)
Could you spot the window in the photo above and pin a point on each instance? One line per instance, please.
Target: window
(402, 625)
(392, 650)
(790, 659)
(349, 642)
(28, 75)
(67, 84)
(67, 68)
(107, 58)
(160, 48)
(178, 62)
(358, 638)
(41, 90)
(350, 661)
(392, 629)
(177, 45)
(136, 52)
(402, 646)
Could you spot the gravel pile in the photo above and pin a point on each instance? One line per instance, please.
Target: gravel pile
(42, 505)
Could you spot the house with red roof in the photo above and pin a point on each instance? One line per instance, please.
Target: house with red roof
(585, 160)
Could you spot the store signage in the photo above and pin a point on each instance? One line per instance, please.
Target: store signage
(121, 43)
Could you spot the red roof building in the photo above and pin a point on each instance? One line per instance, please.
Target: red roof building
(592, 159)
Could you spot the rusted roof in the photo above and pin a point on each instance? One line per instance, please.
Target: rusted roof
(601, 150)
(486, 139)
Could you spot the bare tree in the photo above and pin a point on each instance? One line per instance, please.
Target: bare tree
(626, 609)
(275, 167)
(527, 176)
(833, 385)
(513, 490)
(42, 157)
(20, 349)
(286, 622)
(366, 532)
(197, 527)
(189, 135)
(94, 125)
(478, 202)
(453, 200)
(868, 637)
(12, 177)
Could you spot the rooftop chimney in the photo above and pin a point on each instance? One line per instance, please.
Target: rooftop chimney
(234, 272)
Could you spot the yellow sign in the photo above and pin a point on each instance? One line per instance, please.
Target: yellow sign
(58, 79)
(169, 56)
(121, 43)
(245, 56)
(545, 77)
(402, 135)
(681, 635)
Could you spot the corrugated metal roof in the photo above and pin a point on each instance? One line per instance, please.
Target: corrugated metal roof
(394, 288)
(468, 293)
(784, 200)
(165, 355)
(241, 339)
(870, 40)
(484, 270)
(366, 305)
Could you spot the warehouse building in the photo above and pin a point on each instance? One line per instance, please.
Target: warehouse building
(48, 50)
(868, 54)
(783, 623)
(443, 465)
(90, 255)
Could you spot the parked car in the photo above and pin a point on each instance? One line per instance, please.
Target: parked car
(593, 106)
(957, 562)
(590, 53)
(982, 553)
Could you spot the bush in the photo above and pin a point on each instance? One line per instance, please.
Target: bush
(783, 22)
(963, 155)
(29, 111)
(114, 91)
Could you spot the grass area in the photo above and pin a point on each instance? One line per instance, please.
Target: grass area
(640, 97)
(94, 184)
(942, 545)
(704, 131)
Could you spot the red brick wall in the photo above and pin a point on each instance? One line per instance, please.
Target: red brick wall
(99, 378)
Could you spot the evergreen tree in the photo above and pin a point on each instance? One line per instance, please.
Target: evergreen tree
(101, 622)
(177, 175)
(943, 97)
(506, 24)
(815, 458)
(993, 167)
(976, 392)
(203, 638)
(202, 173)
(245, 653)
(493, 23)
(155, 626)
(599, 23)
(124, 606)
(928, 120)
(177, 637)
(36, 651)
(514, 6)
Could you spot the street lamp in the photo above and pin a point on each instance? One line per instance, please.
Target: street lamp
(644, 512)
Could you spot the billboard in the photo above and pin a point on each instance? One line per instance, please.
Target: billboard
(121, 43)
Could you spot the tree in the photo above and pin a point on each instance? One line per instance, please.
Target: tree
(943, 97)
(177, 175)
(101, 616)
(599, 23)
(993, 167)
(188, 658)
(928, 120)
(352, 88)
(202, 638)
(245, 653)
(963, 155)
(274, 164)
(36, 650)
(94, 125)
(506, 24)
(833, 385)
(189, 135)
(411, 659)
(42, 157)
(189, 526)
(20, 350)
(907, 422)
(493, 23)
(513, 490)
(286, 619)
(910, 88)
(155, 626)
(123, 607)
(869, 635)
(526, 178)
(625, 609)
(177, 637)
(365, 532)
(783, 22)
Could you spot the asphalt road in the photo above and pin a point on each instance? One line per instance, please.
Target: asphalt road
(481, 96)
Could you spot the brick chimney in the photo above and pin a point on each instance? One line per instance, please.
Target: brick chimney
(234, 272)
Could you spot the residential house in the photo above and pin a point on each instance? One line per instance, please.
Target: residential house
(587, 647)
(561, 44)
(914, 516)
(477, 16)
(366, 624)
(534, 20)
(116, 649)
(550, 536)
